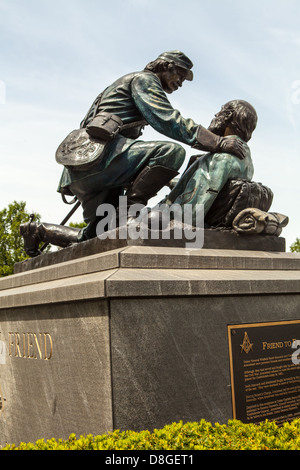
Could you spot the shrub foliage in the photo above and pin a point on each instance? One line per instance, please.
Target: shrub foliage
(179, 436)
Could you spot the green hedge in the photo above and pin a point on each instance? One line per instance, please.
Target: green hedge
(178, 436)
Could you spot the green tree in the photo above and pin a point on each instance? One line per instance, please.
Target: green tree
(295, 247)
(11, 242)
(78, 224)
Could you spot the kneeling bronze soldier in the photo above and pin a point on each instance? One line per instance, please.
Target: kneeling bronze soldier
(125, 162)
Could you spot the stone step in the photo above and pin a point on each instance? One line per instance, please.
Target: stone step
(148, 271)
(213, 240)
(156, 258)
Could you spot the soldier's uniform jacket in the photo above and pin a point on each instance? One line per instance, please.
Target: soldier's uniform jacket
(135, 97)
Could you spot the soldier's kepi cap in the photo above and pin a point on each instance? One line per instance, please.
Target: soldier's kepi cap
(180, 60)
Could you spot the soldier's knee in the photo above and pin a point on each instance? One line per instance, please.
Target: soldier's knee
(168, 154)
(176, 154)
(180, 152)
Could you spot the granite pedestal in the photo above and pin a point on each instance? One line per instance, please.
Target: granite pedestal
(131, 338)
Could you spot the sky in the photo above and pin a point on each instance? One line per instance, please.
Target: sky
(57, 56)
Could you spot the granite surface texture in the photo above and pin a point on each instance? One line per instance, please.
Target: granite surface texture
(131, 338)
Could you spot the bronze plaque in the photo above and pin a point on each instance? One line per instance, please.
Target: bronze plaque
(265, 371)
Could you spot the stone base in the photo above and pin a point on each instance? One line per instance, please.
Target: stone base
(213, 239)
(132, 338)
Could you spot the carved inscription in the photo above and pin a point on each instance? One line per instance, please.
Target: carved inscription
(30, 345)
(271, 387)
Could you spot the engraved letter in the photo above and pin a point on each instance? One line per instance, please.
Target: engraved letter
(30, 349)
(48, 355)
(17, 345)
(24, 345)
(38, 346)
(10, 344)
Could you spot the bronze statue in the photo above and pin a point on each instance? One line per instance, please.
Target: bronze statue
(206, 176)
(223, 184)
(101, 163)
(253, 220)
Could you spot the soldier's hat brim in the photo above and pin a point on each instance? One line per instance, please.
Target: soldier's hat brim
(180, 60)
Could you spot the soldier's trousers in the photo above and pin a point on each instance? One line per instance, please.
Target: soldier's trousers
(105, 186)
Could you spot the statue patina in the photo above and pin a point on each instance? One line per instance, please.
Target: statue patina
(206, 176)
(125, 162)
(218, 180)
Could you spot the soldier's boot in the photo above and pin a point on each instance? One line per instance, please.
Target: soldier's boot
(147, 184)
(59, 235)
